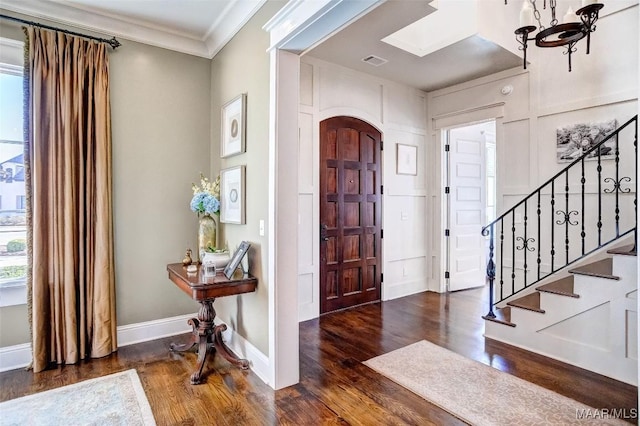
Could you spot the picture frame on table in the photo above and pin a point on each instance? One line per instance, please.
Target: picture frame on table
(406, 159)
(232, 195)
(236, 259)
(234, 124)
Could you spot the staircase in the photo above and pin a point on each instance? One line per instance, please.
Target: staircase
(557, 287)
(586, 319)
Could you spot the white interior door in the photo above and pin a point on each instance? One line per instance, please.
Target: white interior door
(467, 208)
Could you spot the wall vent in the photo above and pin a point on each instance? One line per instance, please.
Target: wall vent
(374, 60)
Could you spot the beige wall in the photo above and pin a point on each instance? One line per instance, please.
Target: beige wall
(160, 105)
(243, 67)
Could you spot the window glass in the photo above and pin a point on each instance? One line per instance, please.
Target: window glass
(13, 258)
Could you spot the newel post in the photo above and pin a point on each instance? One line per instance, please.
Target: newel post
(491, 269)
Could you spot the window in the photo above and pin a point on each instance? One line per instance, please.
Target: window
(13, 254)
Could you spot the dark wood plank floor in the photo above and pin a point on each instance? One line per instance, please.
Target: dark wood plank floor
(335, 387)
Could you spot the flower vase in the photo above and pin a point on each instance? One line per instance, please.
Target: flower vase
(207, 234)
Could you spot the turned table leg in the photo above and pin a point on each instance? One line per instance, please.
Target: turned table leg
(174, 347)
(223, 350)
(206, 334)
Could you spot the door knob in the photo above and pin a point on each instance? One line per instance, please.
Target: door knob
(323, 230)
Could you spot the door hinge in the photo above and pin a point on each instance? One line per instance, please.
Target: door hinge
(447, 189)
(381, 277)
(381, 145)
(381, 189)
(446, 232)
(446, 274)
(447, 147)
(382, 233)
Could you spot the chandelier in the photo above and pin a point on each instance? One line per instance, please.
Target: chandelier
(574, 27)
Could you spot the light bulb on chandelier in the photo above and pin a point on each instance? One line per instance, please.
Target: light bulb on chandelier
(574, 27)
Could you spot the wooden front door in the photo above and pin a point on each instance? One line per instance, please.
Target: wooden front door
(350, 213)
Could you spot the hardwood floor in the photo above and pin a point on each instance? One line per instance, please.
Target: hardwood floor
(335, 387)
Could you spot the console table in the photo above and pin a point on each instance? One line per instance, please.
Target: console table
(205, 290)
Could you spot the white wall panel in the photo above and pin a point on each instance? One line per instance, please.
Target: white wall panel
(406, 107)
(306, 84)
(305, 231)
(405, 223)
(396, 184)
(306, 165)
(341, 88)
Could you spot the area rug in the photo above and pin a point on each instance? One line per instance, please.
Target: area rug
(479, 394)
(117, 399)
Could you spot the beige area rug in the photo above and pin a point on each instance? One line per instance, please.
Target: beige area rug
(479, 394)
(116, 399)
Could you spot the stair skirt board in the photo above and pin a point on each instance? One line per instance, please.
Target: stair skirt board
(594, 327)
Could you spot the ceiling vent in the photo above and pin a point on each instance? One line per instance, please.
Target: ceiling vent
(374, 60)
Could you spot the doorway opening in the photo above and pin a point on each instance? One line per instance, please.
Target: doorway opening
(470, 198)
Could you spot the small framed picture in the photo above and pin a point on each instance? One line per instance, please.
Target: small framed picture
(232, 194)
(234, 114)
(406, 159)
(236, 259)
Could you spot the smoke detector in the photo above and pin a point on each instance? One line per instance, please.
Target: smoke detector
(374, 60)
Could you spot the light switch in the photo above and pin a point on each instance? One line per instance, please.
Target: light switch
(261, 227)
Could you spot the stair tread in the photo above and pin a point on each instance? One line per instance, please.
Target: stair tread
(628, 250)
(530, 302)
(503, 316)
(563, 287)
(601, 268)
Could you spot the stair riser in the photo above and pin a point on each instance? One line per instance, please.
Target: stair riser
(625, 267)
(584, 284)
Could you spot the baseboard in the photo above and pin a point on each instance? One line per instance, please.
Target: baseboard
(19, 356)
(131, 334)
(242, 348)
(13, 357)
(402, 289)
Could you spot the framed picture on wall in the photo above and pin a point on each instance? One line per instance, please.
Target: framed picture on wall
(233, 123)
(232, 195)
(577, 139)
(406, 159)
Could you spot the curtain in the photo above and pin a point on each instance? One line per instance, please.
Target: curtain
(69, 200)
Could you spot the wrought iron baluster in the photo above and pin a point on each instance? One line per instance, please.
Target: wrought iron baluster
(525, 244)
(513, 251)
(553, 203)
(566, 224)
(635, 198)
(501, 258)
(582, 181)
(617, 187)
(539, 261)
(599, 224)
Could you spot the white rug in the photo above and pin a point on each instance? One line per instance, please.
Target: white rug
(116, 399)
(479, 394)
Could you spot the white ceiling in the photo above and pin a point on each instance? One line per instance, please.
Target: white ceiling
(413, 60)
(203, 27)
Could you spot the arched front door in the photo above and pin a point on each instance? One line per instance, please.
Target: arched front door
(350, 213)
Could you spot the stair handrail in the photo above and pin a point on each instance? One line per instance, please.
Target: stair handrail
(488, 230)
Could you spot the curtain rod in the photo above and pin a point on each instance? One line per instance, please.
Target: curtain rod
(112, 42)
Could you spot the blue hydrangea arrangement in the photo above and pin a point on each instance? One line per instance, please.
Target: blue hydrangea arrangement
(206, 196)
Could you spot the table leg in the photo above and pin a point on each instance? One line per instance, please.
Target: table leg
(174, 347)
(223, 350)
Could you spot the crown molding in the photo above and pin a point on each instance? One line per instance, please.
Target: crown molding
(225, 26)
